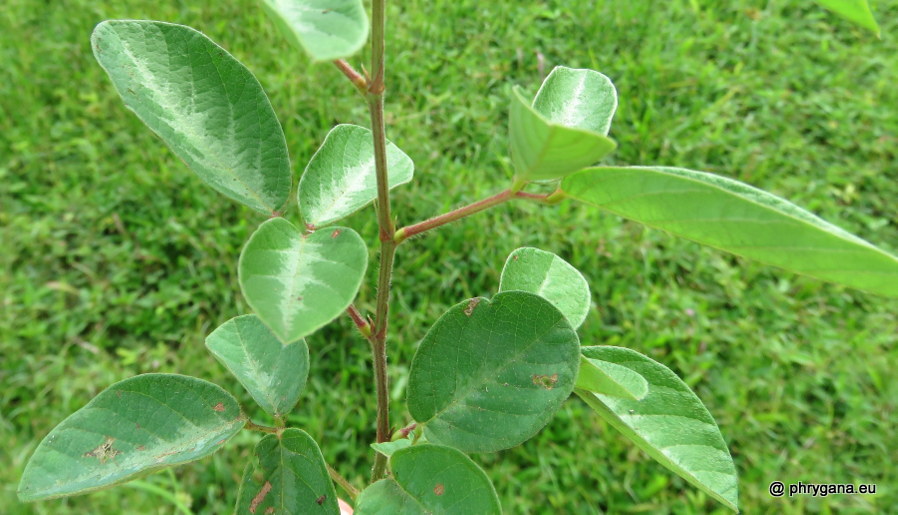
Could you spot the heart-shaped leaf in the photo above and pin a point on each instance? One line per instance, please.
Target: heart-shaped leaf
(325, 29)
(205, 105)
(735, 217)
(273, 373)
(298, 282)
(564, 130)
(550, 277)
(608, 378)
(135, 426)
(287, 476)
(855, 11)
(341, 178)
(670, 424)
(490, 374)
(430, 479)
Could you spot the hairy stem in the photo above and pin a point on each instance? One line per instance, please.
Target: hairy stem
(252, 426)
(343, 482)
(359, 321)
(357, 79)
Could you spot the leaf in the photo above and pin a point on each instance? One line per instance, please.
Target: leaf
(287, 476)
(297, 282)
(136, 426)
(855, 11)
(325, 29)
(490, 374)
(608, 378)
(670, 424)
(732, 216)
(273, 373)
(205, 105)
(388, 448)
(430, 479)
(552, 278)
(565, 129)
(341, 178)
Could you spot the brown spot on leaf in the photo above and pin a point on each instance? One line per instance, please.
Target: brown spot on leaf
(471, 305)
(118, 394)
(439, 489)
(140, 448)
(219, 407)
(269, 510)
(547, 382)
(257, 500)
(321, 500)
(104, 452)
(515, 257)
(136, 425)
(335, 233)
(223, 440)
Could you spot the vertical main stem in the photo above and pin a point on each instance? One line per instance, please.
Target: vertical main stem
(386, 229)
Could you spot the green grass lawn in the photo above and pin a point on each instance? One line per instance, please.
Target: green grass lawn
(116, 260)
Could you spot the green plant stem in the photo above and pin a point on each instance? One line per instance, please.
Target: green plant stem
(347, 487)
(252, 426)
(457, 214)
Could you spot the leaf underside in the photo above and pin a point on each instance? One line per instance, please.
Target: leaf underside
(325, 29)
(607, 378)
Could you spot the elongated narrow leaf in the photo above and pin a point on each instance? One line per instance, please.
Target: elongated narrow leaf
(670, 423)
(298, 282)
(565, 128)
(490, 374)
(341, 179)
(273, 373)
(205, 105)
(430, 479)
(287, 476)
(608, 378)
(135, 426)
(325, 29)
(550, 277)
(738, 218)
(855, 11)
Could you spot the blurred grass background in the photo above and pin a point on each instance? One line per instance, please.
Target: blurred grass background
(116, 260)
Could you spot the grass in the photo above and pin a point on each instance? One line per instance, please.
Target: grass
(116, 260)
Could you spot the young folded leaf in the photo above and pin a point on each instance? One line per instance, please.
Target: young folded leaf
(340, 178)
(325, 29)
(855, 11)
(550, 277)
(273, 373)
(205, 105)
(608, 378)
(144, 423)
(670, 424)
(287, 476)
(430, 479)
(299, 282)
(735, 217)
(491, 373)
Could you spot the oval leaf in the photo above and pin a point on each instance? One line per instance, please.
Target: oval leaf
(135, 426)
(430, 479)
(735, 217)
(287, 476)
(298, 282)
(490, 374)
(325, 29)
(341, 178)
(388, 448)
(607, 378)
(550, 277)
(670, 423)
(273, 373)
(855, 11)
(579, 98)
(205, 105)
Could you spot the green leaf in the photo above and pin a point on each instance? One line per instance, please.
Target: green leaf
(205, 105)
(732, 216)
(273, 373)
(287, 476)
(341, 179)
(608, 378)
(670, 424)
(298, 282)
(550, 277)
(430, 479)
(490, 374)
(565, 129)
(134, 427)
(388, 448)
(855, 11)
(325, 29)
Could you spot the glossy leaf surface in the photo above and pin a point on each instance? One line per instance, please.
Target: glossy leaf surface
(855, 11)
(325, 29)
(287, 476)
(135, 426)
(341, 177)
(670, 424)
(273, 373)
(298, 282)
(608, 378)
(552, 278)
(735, 217)
(491, 373)
(205, 105)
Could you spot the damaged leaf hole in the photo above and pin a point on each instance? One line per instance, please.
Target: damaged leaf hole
(545, 381)
(471, 305)
(257, 500)
(104, 452)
